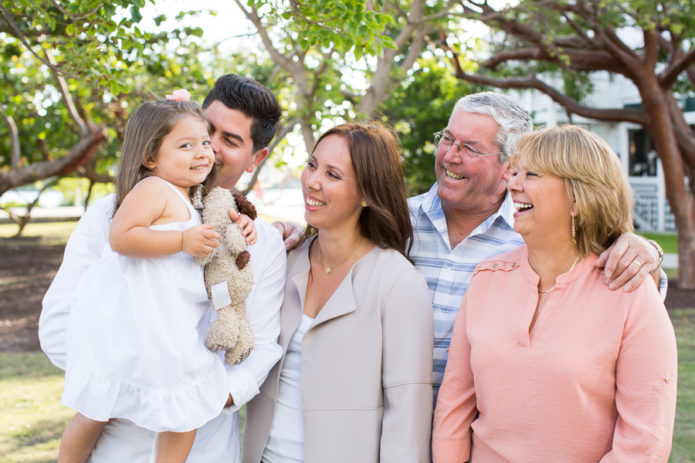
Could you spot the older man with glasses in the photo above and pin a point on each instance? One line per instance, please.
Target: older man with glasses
(467, 215)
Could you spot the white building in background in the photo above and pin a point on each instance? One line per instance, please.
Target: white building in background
(631, 142)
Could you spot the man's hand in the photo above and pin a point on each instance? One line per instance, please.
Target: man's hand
(246, 225)
(628, 261)
(291, 233)
(200, 240)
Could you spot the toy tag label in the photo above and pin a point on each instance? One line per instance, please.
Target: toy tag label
(220, 295)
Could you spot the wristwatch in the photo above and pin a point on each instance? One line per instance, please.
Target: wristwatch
(658, 250)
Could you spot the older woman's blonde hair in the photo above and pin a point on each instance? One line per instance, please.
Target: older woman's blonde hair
(593, 178)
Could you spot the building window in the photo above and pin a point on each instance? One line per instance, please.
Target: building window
(642, 154)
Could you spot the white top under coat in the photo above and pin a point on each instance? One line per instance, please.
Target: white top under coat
(286, 441)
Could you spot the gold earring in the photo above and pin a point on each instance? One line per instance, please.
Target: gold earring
(574, 233)
(364, 204)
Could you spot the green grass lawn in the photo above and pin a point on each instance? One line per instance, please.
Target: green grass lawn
(684, 435)
(39, 233)
(32, 419)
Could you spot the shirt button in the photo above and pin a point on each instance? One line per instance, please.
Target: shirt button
(667, 379)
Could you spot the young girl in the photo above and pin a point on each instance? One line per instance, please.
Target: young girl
(133, 350)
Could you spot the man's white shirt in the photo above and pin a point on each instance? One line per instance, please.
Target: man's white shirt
(218, 440)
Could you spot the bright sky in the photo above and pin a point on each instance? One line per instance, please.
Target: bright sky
(229, 25)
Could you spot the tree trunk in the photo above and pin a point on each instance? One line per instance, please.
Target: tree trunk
(686, 240)
(681, 200)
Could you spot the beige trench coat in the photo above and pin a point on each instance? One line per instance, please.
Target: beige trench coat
(366, 365)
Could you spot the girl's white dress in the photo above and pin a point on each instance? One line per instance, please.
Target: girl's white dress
(133, 349)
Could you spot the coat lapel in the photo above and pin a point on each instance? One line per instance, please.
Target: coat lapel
(295, 294)
(341, 302)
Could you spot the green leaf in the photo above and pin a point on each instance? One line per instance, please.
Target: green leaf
(135, 14)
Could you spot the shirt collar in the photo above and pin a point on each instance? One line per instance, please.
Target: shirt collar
(431, 206)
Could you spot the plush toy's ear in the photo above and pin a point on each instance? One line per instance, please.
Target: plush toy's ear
(243, 259)
(244, 205)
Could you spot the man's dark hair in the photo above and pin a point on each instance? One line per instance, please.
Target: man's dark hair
(251, 98)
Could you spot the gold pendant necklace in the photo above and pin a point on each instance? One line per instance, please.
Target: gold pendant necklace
(546, 291)
(327, 269)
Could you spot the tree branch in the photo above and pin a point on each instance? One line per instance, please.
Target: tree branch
(82, 128)
(78, 155)
(279, 136)
(629, 115)
(275, 54)
(616, 115)
(90, 172)
(684, 134)
(608, 37)
(7, 17)
(41, 143)
(321, 69)
(582, 38)
(586, 60)
(514, 28)
(418, 43)
(412, 35)
(684, 62)
(15, 149)
(22, 221)
(446, 11)
(651, 48)
(75, 17)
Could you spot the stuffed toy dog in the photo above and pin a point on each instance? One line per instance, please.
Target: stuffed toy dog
(228, 276)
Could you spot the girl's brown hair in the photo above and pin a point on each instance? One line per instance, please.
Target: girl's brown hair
(376, 160)
(146, 129)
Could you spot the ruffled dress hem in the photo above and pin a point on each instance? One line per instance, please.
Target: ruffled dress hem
(101, 398)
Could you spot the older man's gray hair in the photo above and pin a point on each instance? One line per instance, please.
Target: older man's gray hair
(514, 121)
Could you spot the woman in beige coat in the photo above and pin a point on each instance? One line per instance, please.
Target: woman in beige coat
(354, 382)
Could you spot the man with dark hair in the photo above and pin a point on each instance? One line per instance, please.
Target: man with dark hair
(244, 117)
(252, 99)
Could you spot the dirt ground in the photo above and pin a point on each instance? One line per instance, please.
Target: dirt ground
(26, 272)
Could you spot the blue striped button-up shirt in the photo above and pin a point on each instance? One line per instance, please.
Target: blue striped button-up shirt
(448, 271)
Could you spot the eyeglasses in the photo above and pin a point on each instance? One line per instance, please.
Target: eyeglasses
(445, 141)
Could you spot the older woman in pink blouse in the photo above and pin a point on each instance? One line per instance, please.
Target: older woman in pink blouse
(546, 363)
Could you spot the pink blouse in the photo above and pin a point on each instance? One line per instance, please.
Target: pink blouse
(594, 380)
